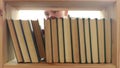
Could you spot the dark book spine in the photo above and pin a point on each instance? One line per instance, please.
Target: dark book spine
(71, 39)
(63, 40)
(83, 20)
(104, 39)
(90, 40)
(111, 39)
(97, 39)
(58, 40)
(78, 39)
(51, 39)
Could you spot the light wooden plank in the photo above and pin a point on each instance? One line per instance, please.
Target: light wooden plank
(117, 22)
(1, 41)
(66, 4)
(3, 36)
(61, 66)
(64, 0)
(116, 35)
(13, 64)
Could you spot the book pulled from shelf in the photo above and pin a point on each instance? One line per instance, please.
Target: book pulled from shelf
(38, 38)
(25, 35)
(78, 40)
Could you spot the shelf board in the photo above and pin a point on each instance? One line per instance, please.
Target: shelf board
(14, 64)
(43, 65)
(60, 66)
(62, 0)
(65, 4)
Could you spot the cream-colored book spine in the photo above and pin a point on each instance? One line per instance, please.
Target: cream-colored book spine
(54, 40)
(82, 41)
(48, 46)
(15, 41)
(61, 41)
(67, 37)
(87, 38)
(108, 40)
(75, 44)
(101, 42)
(94, 40)
(30, 42)
(22, 42)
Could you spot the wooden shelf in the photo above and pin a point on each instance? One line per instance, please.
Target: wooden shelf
(44, 4)
(63, 0)
(109, 7)
(14, 64)
(60, 66)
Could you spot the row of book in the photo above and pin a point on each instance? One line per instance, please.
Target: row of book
(76, 40)
(71, 40)
(27, 40)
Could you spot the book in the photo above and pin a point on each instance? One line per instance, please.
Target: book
(39, 38)
(94, 42)
(54, 31)
(14, 38)
(30, 42)
(75, 43)
(78, 40)
(22, 40)
(82, 40)
(61, 41)
(100, 27)
(88, 40)
(48, 44)
(67, 37)
(107, 25)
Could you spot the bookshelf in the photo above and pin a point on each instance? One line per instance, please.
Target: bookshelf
(10, 8)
